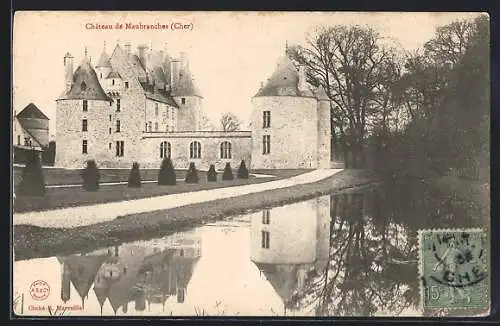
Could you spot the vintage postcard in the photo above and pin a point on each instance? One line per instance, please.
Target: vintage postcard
(250, 164)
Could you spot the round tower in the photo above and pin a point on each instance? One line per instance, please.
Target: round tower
(284, 121)
(324, 130)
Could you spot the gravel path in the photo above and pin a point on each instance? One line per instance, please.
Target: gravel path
(88, 215)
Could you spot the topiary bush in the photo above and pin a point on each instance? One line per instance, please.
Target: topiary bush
(212, 174)
(134, 178)
(192, 174)
(91, 176)
(242, 171)
(32, 179)
(228, 172)
(166, 176)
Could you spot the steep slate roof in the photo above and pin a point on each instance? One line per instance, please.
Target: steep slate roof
(158, 94)
(86, 85)
(113, 74)
(186, 85)
(31, 111)
(283, 82)
(103, 61)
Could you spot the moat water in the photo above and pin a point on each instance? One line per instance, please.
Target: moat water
(352, 254)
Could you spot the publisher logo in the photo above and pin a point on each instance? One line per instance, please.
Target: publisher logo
(39, 290)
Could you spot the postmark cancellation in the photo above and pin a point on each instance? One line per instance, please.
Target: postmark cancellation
(454, 270)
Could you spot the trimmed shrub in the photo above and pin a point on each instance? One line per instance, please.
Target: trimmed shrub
(228, 172)
(212, 174)
(242, 171)
(134, 178)
(91, 176)
(32, 180)
(192, 174)
(166, 176)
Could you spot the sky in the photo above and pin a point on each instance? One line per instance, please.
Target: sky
(230, 53)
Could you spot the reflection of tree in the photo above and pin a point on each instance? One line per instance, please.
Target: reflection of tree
(372, 266)
(361, 276)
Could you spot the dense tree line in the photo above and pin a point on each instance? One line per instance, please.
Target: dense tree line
(420, 111)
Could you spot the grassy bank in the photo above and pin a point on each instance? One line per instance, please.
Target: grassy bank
(77, 196)
(31, 241)
(60, 176)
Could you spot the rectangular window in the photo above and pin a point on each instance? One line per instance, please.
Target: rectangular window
(266, 144)
(156, 109)
(266, 119)
(156, 126)
(84, 147)
(266, 216)
(126, 84)
(110, 103)
(117, 105)
(109, 145)
(118, 126)
(85, 106)
(265, 239)
(183, 100)
(18, 139)
(119, 148)
(150, 126)
(166, 128)
(84, 125)
(110, 131)
(110, 117)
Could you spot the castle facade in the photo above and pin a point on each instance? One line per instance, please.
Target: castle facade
(144, 106)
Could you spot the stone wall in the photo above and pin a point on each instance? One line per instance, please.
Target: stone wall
(210, 148)
(324, 135)
(189, 113)
(167, 116)
(69, 134)
(293, 132)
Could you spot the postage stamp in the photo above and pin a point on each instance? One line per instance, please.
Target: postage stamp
(454, 267)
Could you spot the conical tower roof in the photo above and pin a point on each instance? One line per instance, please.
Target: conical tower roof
(31, 111)
(284, 81)
(83, 271)
(103, 61)
(86, 85)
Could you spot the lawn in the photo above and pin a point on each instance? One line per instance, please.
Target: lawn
(33, 241)
(77, 196)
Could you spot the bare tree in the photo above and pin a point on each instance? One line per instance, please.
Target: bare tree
(355, 70)
(230, 122)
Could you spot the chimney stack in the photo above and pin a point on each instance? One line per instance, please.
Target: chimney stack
(302, 84)
(68, 71)
(184, 60)
(128, 48)
(141, 51)
(174, 73)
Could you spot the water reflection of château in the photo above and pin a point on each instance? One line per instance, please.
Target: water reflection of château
(133, 272)
(291, 243)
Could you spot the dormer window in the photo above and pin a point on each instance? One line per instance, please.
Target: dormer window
(126, 84)
(112, 82)
(101, 75)
(83, 86)
(183, 100)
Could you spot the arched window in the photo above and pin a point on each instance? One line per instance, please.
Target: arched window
(225, 150)
(195, 150)
(165, 150)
